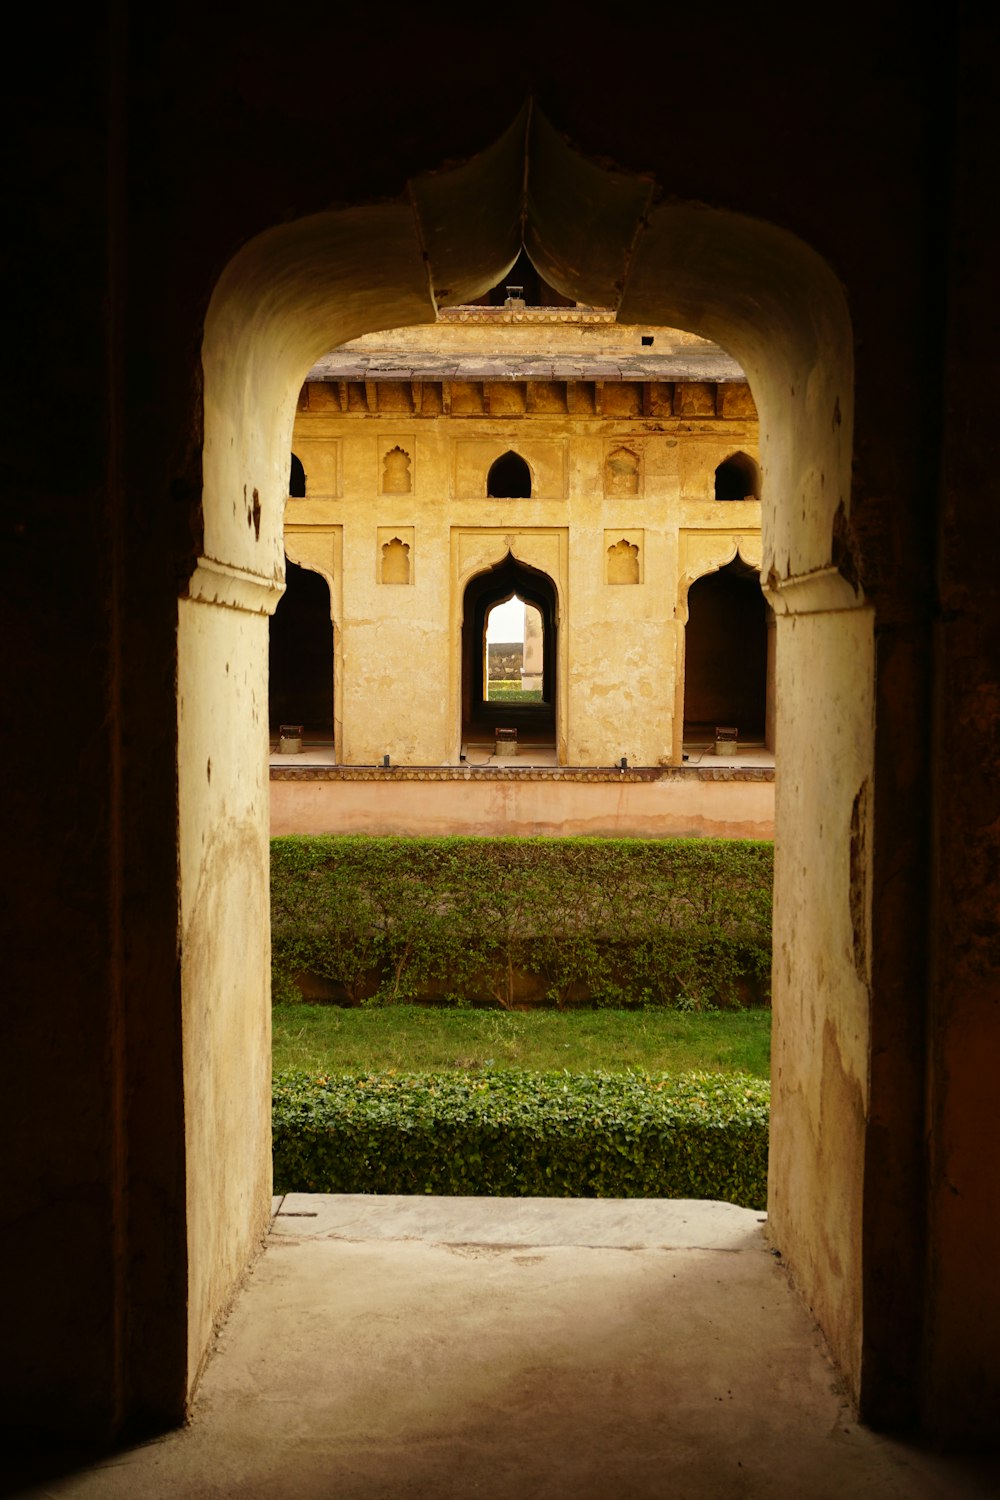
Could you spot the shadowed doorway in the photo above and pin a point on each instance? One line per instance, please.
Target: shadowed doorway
(300, 656)
(483, 710)
(725, 654)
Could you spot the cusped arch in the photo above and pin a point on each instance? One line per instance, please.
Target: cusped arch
(728, 552)
(726, 653)
(297, 290)
(301, 652)
(508, 576)
(489, 550)
(483, 591)
(605, 238)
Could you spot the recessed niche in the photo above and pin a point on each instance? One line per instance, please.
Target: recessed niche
(621, 472)
(396, 477)
(395, 554)
(623, 558)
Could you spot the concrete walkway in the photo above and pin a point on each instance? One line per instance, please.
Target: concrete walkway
(528, 1348)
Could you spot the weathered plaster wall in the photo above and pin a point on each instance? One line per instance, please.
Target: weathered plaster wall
(819, 1062)
(686, 807)
(222, 742)
(398, 683)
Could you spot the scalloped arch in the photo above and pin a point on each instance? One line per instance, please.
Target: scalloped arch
(610, 237)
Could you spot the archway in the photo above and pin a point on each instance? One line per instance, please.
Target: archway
(725, 654)
(480, 715)
(300, 655)
(307, 286)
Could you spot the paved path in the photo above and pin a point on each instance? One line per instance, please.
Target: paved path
(541, 1349)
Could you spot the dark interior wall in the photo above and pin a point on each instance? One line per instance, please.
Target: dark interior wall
(964, 982)
(101, 495)
(300, 659)
(725, 654)
(59, 671)
(157, 143)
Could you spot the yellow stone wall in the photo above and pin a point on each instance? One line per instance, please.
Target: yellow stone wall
(396, 476)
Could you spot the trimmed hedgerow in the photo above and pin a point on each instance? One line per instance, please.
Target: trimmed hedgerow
(519, 1134)
(618, 922)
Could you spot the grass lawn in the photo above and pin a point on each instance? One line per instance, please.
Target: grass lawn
(412, 1038)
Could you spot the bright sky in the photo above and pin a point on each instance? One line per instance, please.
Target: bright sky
(506, 621)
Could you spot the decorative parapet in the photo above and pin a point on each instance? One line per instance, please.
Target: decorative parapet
(541, 315)
(598, 774)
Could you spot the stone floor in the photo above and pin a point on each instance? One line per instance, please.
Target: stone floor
(536, 1349)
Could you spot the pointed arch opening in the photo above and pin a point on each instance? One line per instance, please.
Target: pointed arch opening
(487, 704)
(738, 478)
(726, 655)
(296, 479)
(300, 656)
(509, 478)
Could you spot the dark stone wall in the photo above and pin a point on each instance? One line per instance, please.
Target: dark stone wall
(963, 1319)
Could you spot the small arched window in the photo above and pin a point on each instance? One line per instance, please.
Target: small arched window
(297, 480)
(509, 478)
(737, 478)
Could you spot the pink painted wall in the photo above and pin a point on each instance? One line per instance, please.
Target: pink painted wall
(683, 808)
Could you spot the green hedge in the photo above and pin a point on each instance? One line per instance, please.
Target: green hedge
(512, 692)
(516, 1134)
(619, 922)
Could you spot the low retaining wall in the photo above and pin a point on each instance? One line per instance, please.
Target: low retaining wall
(654, 802)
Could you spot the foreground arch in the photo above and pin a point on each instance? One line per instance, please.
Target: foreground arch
(286, 298)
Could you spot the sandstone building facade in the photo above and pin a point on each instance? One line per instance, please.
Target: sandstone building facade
(440, 470)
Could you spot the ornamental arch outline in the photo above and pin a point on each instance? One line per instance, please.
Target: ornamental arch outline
(304, 287)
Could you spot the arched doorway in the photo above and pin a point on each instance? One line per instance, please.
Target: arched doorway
(301, 289)
(300, 656)
(725, 655)
(483, 711)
